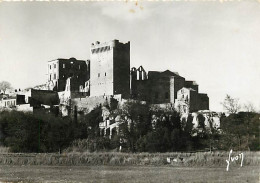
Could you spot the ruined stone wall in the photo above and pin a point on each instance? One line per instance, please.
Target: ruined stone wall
(176, 84)
(160, 87)
(203, 101)
(78, 69)
(89, 103)
(209, 117)
(46, 97)
(193, 100)
(52, 74)
(140, 90)
(159, 90)
(139, 84)
(187, 100)
(61, 69)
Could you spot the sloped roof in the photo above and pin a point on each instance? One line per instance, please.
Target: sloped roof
(191, 82)
(163, 73)
(187, 89)
(68, 59)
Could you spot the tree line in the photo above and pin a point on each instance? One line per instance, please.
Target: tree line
(142, 129)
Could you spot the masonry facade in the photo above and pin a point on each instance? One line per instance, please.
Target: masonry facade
(108, 74)
(167, 87)
(78, 85)
(110, 68)
(60, 70)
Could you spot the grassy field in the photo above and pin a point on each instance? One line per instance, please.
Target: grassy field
(216, 159)
(127, 167)
(114, 174)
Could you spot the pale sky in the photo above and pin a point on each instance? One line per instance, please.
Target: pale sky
(216, 44)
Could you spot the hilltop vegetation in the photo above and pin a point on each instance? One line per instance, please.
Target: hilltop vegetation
(148, 131)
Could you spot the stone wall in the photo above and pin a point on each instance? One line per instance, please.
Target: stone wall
(192, 84)
(203, 101)
(61, 69)
(38, 97)
(89, 103)
(110, 69)
(121, 58)
(159, 87)
(177, 83)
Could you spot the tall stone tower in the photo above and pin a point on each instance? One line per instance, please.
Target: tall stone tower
(110, 68)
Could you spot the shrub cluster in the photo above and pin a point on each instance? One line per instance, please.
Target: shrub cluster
(141, 130)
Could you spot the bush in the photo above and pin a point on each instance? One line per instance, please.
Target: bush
(25, 132)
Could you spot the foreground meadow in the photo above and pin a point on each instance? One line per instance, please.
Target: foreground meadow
(127, 174)
(128, 167)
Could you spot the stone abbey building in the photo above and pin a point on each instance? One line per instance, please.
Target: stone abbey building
(108, 74)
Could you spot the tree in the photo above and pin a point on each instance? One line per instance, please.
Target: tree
(26, 132)
(241, 131)
(249, 107)
(4, 85)
(231, 105)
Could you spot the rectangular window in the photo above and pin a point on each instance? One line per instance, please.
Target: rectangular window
(50, 66)
(63, 66)
(98, 74)
(105, 74)
(79, 66)
(50, 76)
(54, 66)
(54, 76)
